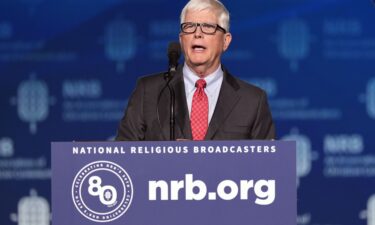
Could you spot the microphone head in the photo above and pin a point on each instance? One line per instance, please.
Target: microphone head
(174, 53)
(174, 48)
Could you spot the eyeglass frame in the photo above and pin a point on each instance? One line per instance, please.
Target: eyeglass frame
(200, 25)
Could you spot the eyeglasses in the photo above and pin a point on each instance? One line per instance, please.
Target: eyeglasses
(206, 28)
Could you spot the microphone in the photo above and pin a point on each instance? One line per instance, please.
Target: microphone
(174, 53)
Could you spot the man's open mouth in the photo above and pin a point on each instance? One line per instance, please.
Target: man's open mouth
(198, 47)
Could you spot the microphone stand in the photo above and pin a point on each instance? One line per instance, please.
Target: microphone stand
(169, 76)
(174, 52)
(172, 121)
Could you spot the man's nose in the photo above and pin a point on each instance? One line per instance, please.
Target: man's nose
(198, 32)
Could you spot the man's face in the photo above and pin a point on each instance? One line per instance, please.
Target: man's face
(202, 51)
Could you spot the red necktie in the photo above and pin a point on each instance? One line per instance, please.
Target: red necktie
(199, 111)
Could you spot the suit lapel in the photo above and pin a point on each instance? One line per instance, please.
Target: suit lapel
(163, 111)
(228, 98)
(182, 113)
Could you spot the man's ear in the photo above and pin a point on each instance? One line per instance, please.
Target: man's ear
(227, 40)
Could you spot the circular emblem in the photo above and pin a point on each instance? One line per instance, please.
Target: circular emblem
(102, 191)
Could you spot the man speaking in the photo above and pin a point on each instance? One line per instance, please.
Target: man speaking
(210, 104)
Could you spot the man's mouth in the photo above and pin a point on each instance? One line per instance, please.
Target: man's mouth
(198, 47)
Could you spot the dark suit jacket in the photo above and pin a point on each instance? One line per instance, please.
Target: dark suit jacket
(241, 112)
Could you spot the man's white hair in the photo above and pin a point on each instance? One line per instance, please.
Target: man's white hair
(215, 5)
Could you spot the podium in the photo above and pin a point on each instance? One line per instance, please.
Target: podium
(174, 183)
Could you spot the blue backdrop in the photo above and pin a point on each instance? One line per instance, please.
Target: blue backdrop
(67, 68)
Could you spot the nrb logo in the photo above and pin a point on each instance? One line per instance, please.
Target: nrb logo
(102, 191)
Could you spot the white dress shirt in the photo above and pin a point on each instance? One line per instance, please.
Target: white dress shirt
(212, 90)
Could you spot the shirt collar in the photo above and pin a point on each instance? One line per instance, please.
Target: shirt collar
(213, 80)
